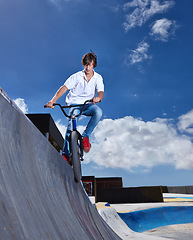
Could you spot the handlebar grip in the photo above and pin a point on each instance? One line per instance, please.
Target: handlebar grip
(54, 104)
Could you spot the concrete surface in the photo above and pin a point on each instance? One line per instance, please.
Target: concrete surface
(110, 216)
(39, 199)
(144, 220)
(180, 231)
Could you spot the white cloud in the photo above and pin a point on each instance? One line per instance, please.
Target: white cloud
(61, 127)
(139, 54)
(144, 10)
(21, 104)
(186, 122)
(162, 29)
(129, 143)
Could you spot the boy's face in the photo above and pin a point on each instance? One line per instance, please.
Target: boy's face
(89, 67)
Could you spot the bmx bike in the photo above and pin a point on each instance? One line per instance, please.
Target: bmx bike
(75, 141)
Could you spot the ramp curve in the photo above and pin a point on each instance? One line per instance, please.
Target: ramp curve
(39, 198)
(145, 220)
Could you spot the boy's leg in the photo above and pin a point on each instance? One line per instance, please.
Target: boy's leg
(95, 112)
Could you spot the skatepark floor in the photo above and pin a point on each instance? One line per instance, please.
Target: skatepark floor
(151, 220)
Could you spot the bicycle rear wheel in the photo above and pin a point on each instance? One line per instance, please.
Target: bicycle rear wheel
(75, 156)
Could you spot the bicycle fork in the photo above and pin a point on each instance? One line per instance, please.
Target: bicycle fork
(79, 143)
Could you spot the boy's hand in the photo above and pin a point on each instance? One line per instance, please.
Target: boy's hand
(96, 100)
(50, 104)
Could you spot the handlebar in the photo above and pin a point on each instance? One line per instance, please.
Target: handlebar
(74, 105)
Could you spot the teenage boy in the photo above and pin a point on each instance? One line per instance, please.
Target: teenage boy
(82, 86)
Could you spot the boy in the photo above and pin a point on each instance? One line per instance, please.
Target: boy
(82, 86)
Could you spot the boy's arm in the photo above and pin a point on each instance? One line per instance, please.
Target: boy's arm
(63, 89)
(99, 97)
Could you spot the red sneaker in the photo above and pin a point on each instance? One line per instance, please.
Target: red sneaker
(67, 159)
(86, 144)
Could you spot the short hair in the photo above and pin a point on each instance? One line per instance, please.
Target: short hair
(88, 58)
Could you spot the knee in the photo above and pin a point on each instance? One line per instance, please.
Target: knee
(98, 112)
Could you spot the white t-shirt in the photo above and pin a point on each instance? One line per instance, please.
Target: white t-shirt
(82, 90)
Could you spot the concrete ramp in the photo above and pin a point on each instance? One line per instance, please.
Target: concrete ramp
(145, 220)
(110, 215)
(39, 199)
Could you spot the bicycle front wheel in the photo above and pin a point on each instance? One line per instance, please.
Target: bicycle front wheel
(75, 156)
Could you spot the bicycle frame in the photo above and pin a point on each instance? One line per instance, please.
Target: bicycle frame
(74, 124)
(76, 145)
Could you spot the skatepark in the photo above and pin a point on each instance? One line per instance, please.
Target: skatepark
(40, 199)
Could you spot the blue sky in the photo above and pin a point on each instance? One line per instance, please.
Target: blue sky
(145, 56)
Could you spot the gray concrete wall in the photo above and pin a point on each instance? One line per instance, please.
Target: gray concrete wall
(39, 198)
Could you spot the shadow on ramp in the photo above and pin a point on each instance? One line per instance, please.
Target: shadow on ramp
(39, 198)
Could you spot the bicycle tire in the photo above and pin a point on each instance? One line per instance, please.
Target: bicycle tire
(75, 156)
